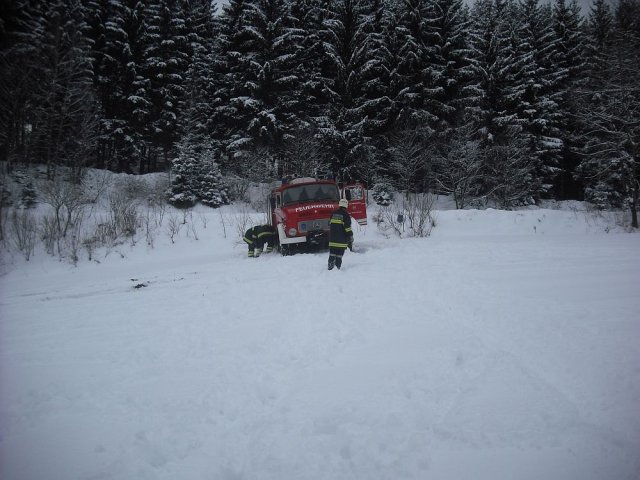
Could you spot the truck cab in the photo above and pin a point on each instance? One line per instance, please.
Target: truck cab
(300, 210)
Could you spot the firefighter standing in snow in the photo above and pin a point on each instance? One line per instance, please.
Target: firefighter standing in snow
(256, 237)
(340, 234)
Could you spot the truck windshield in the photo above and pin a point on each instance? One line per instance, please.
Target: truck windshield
(310, 193)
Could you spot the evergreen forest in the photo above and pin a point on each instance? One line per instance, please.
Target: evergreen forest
(495, 102)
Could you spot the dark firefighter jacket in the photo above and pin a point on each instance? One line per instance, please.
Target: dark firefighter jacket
(259, 235)
(340, 233)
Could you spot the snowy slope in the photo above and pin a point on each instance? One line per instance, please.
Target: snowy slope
(504, 346)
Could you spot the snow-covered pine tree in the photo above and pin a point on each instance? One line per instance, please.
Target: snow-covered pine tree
(539, 107)
(258, 101)
(200, 81)
(137, 93)
(96, 14)
(308, 18)
(371, 103)
(382, 193)
(21, 74)
(408, 153)
(417, 49)
(394, 34)
(166, 63)
(196, 177)
(569, 61)
(460, 168)
(508, 175)
(595, 169)
(272, 45)
(369, 111)
(63, 128)
(117, 31)
(448, 65)
(302, 155)
(447, 96)
(231, 58)
(257, 98)
(610, 109)
(499, 63)
(496, 64)
(598, 41)
(343, 41)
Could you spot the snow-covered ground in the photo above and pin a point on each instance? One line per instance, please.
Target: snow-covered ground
(504, 346)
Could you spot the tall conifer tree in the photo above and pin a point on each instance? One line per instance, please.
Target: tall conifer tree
(539, 108)
(569, 61)
(166, 63)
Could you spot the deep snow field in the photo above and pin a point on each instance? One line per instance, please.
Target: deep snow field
(506, 346)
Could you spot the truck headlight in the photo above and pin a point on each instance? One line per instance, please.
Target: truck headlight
(292, 232)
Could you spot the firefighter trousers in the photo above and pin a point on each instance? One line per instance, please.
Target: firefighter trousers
(335, 257)
(256, 248)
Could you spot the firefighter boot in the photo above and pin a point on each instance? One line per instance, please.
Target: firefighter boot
(332, 262)
(338, 262)
(257, 252)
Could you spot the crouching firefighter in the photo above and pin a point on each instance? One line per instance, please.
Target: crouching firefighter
(340, 234)
(259, 236)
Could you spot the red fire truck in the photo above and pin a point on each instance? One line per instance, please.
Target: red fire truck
(300, 211)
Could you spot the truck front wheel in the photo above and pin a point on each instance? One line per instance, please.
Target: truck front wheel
(284, 250)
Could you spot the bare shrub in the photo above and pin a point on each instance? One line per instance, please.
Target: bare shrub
(105, 233)
(156, 199)
(158, 190)
(134, 188)
(187, 219)
(242, 222)
(102, 181)
(192, 229)
(187, 215)
(23, 229)
(150, 226)
(73, 241)
(174, 225)
(418, 211)
(123, 213)
(143, 190)
(49, 233)
(412, 218)
(159, 210)
(4, 216)
(203, 218)
(239, 222)
(66, 199)
(390, 219)
(224, 222)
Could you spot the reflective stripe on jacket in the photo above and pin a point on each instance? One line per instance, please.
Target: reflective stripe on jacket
(259, 235)
(340, 233)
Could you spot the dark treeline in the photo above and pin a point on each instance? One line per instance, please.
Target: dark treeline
(503, 101)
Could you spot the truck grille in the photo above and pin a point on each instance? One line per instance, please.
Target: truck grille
(317, 224)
